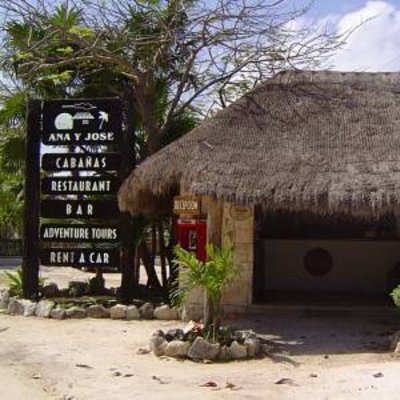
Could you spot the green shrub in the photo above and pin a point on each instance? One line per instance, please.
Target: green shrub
(396, 296)
(14, 282)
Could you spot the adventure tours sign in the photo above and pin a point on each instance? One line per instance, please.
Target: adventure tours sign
(79, 233)
(71, 213)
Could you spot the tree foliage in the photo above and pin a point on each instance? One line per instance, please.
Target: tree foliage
(185, 50)
(174, 59)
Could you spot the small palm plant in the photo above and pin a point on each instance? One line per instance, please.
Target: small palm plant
(213, 276)
(396, 296)
(14, 281)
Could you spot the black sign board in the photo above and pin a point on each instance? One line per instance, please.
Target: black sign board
(79, 233)
(92, 121)
(106, 129)
(79, 209)
(82, 185)
(80, 257)
(81, 162)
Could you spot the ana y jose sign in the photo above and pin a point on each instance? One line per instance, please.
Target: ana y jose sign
(95, 121)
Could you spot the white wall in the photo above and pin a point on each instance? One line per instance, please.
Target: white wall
(358, 266)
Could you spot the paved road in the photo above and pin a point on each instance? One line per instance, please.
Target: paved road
(10, 262)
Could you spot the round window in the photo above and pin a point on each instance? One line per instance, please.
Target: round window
(318, 262)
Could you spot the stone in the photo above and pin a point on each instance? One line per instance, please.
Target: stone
(44, 308)
(15, 306)
(147, 311)
(238, 351)
(175, 334)
(97, 311)
(248, 334)
(50, 290)
(58, 313)
(158, 343)
(177, 348)
(225, 354)
(267, 349)
(4, 299)
(253, 346)
(29, 308)
(75, 312)
(204, 350)
(395, 341)
(192, 312)
(23, 307)
(165, 312)
(397, 348)
(63, 292)
(78, 288)
(118, 311)
(132, 313)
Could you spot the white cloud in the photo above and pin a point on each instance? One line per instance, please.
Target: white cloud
(375, 44)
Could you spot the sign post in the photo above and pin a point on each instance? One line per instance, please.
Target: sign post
(127, 151)
(30, 263)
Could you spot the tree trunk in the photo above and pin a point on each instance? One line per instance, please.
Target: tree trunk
(161, 245)
(153, 242)
(136, 272)
(169, 252)
(153, 282)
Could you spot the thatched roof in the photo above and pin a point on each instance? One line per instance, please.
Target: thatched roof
(313, 141)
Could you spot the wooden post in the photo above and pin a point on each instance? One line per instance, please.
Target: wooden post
(128, 157)
(214, 223)
(30, 263)
(214, 236)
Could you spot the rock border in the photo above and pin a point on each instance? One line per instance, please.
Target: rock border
(47, 308)
(395, 342)
(175, 343)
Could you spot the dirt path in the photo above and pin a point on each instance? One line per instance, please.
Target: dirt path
(98, 360)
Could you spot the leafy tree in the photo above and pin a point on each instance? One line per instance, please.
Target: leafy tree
(185, 49)
(11, 205)
(173, 60)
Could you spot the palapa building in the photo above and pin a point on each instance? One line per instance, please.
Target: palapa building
(302, 176)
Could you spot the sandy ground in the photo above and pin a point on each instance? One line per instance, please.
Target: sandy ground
(323, 355)
(335, 357)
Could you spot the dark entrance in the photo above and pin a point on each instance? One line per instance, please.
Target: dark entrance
(308, 257)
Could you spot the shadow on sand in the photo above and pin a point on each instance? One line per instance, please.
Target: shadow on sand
(321, 332)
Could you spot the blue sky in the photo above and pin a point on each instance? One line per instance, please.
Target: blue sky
(375, 45)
